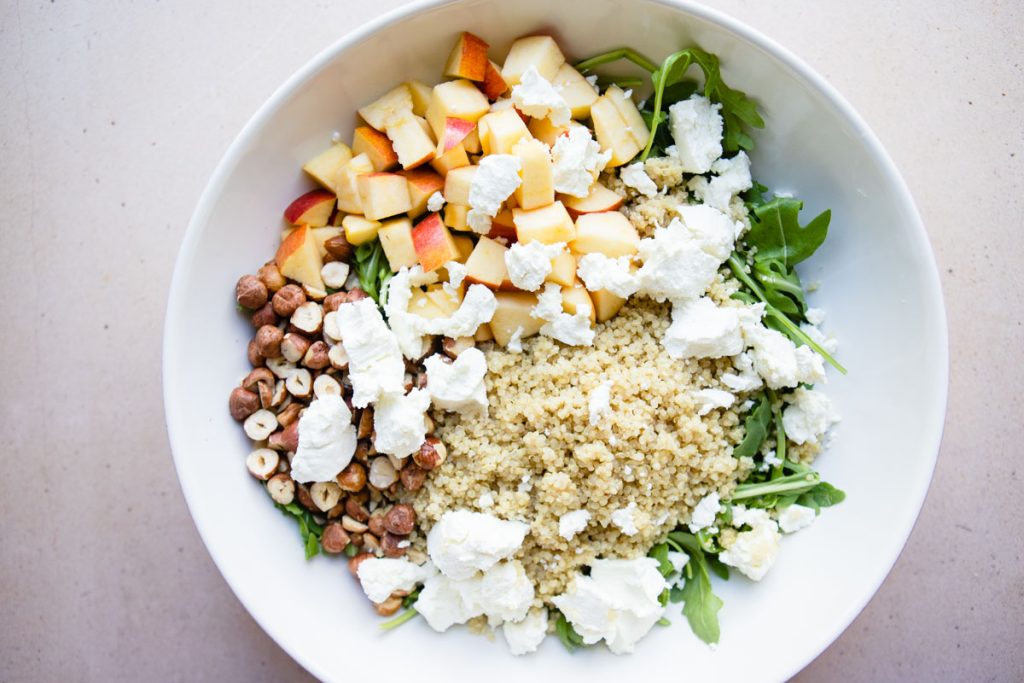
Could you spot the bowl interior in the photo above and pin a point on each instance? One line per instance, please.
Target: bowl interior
(877, 282)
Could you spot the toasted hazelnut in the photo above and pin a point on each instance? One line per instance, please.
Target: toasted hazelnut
(408, 382)
(355, 561)
(357, 540)
(305, 498)
(353, 525)
(255, 358)
(382, 473)
(400, 519)
(338, 247)
(315, 357)
(412, 477)
(325, 494)
(280, 394)
(371, 543)
(376, 523)
(352, 478)
(294, 347)
(281, 488)
(431, 454)
(325, 385)
(392, 545)
(287, 299)
(334, 539)
(264, 316)
(362, 454)
(290, 437)
(396, 462)
(309, 317)
(420, 381)
(242, 403)
(256, 377)
(260, 424)
(334, 274)
(262, 463)
(333, 301)
(389, 606)
(300, 383)
(250, 292)
(365, 423)
(289, 415)
(314, 293)
(416, 556)
(332, 326)
(270, 276)
(338, 357)
(428, 422)
(355, 294)
(280, 367)
(356, 510)
(268, 341)
(336, 511)
(453, 347)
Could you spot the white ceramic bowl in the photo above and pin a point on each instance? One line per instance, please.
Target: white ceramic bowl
(878, 283)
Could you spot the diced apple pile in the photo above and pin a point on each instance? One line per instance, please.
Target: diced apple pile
(465, 170)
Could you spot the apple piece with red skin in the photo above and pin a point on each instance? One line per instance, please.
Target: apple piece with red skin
(423, 182)
(503, 226)
(486, 265)
(298, 258)
(313, 209)
(433, 243)
(376, 146)
(599, 200)
(468, 59)
(455, 131)
(493, 85)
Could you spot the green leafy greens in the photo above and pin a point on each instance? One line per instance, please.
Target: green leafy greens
(308, 528)
(700, 604)
(568, 636)
(373, 270)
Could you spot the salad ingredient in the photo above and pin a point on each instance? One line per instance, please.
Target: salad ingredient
(327, 441)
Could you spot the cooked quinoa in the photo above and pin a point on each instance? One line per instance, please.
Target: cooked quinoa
(538, 456)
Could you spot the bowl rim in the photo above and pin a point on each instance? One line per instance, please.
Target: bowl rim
(934, 416)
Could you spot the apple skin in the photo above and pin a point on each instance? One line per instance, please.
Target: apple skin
(599, 200)
(493, 85)
(423, 182)
(433, 243)
(376, 146)
(455, 131)
(468, 59)
(313, 209)
(298, 257)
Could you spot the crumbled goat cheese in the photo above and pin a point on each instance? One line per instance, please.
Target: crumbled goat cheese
(702, 329)
(327, 440)
(815, 316)
(456, 274)
(502, 593)
(529, 264)
(752, 552)
(577, 160)
(709, 399)
(375, 362)
(733, 177)
(618, 602)
(808, 416)
(746, 379)
(404, 323)
(678, 560)
(435, 202)
(477, 308)
(515, 342)
(599, 404)
(458, 385)
(525, 636)
(496, 178)
(613, 274)
(462, 542)
(573, 330)
(572, 523)
(486, 500)
(704, 513)
(399, 424)
(830, 344)
(636, 177)
(674, 265)
(624, 521)
(780, 362)
(696, 127)
(795, 517)
(382, 576)
(712, 229)
(536, 97)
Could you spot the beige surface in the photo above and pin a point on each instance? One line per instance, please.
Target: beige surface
(113, 116)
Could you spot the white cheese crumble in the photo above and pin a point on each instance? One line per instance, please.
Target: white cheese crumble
(573, 330)
(404, 324)
(709, 399)
(486, 500)
(712, 229)
(529, 264)
(382, 576)
(795, 517)
(577, 160)
(780, 362)
(572, 523)
(525, 636)
(808, 416)
(696, 127)
(704, 513)
(496, 178)
(674, 265)
(462, 542)
(733, 177)
(815, 316)
(375, 362)
(435, 202)
(399, 424)
(752, 552)
(745, 379)
(502, 593)
(618, 602)
(623, 519)
(635, 176)
(458, 385)
(536, 97)
(456, 274)
(515, 342)
(327, 440)
(603, 272)
(410, 329)
(678, 561)
(830, 344)
(599, 403)
(702, 329)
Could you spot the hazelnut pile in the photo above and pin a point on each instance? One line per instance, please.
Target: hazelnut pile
(295, 360)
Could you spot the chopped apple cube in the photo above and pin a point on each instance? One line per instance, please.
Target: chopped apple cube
(423, 182)
(612, 133)
(348, 186)
(421, 93)
(493, 85)
(396, 240)
(321, 235)
(545, 131)
(458, 183)
(411, 140)
(455, 216)
(635, 124)
(576, 299)
(447, 303)
(537, 188)
(313, 209)
(393, 103)
(383, 195)
(606, 304)
(456, 99)
(424, 306)
(609, 233)
(323, 168)
(512, 313)
(455, 131)
(464, 244)
(445, 162)
(376, 146)
(299, 259)
(600, 199)
(359, 230)
(486, 265)
(472, 142)
(576, 91)
(548, 224)
(540, 52)
(468, 59)
(433, 243)
(563, 270)
(504, 128)
(503, 225)
(483, 333)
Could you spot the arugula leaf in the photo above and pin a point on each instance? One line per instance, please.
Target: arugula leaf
(700, 604)
(782, 287)
(399, 620)
(309, 530)
(821, 496)
(373, 270)
(567, 634)
(756, 426)
(776, 233)
(660, 553)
